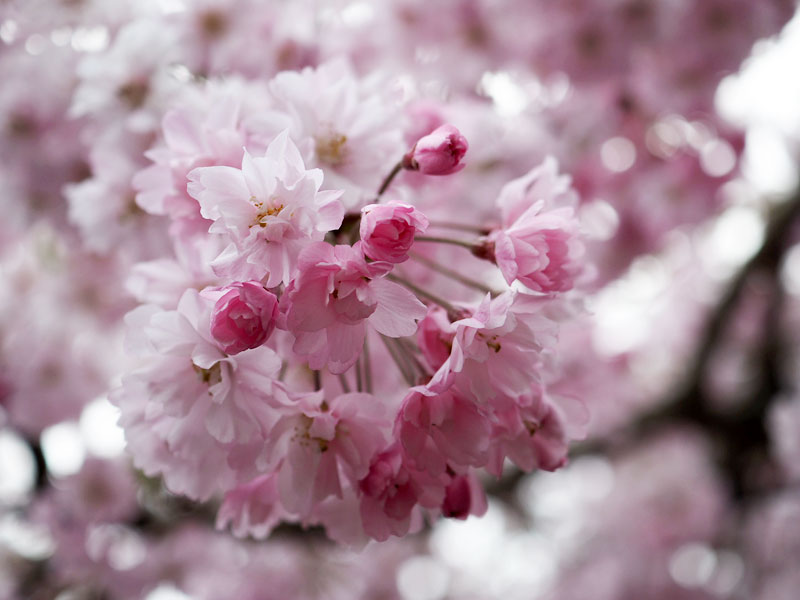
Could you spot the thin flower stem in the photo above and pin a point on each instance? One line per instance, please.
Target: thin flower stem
(359, 387)
(453, 274)
(367, 366)
(423, 294)
(440, 240)
(389, 178)
(410, 346)
(406, 359)
(409, 350)
(460, 227)
(409, 378)
(403, 355)
(345, 385)
(317, 381)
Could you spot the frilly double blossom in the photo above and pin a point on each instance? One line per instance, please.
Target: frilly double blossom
(270, 209)
(539, 243)
(190, 405)
(336, 294)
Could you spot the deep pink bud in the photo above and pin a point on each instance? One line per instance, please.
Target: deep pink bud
(457, 499)
(438, 153)
(244, 316)
(388, 230)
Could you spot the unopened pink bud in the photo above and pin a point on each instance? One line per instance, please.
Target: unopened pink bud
(244, 316)
(438, 153)
(388, 230)
(457, 499)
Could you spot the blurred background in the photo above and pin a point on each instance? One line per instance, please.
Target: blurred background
(678, 121)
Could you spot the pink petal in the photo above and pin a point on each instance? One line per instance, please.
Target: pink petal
(398, 309)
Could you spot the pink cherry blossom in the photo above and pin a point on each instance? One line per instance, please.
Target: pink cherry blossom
(190, 405)
(438, 153)
(336, 294)
(539, 243)
(388, 230)
(349, 126)
(498, 348)
(193, 137)
(464, 496)
(441, 430)
(244, 316)
(321, 445)
(391, 494)
(252, 509)
(271, 209)
(540, 250)
(534, 432)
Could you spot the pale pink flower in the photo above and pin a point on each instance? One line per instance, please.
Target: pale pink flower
(271, 209)
(388, 230)
(435, 337)
(497, 349)
(193, 137)
(540, 250)
(441, 430)
(244, 316)
(190, 406)
(391, 494)
(252, 509)
(316, 443)
(336, 294)
(103, 207)
(350, 126)
(103, 490)
(539, 243)
(129, 81)
(438, 153)
(541, 184)
(534, 431)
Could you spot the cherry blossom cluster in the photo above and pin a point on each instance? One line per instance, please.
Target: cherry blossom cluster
(377, 260)
(311, 370)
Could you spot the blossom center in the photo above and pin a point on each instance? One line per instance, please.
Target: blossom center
(210, 376)
(331, 149)
(264, 212)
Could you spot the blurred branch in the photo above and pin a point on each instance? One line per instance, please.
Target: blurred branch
(683, 403)
(737, 435)
(741, 433)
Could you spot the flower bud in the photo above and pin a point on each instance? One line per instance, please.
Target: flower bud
(438, 153)
(388, 230)
(244, 316)
(457, 499)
